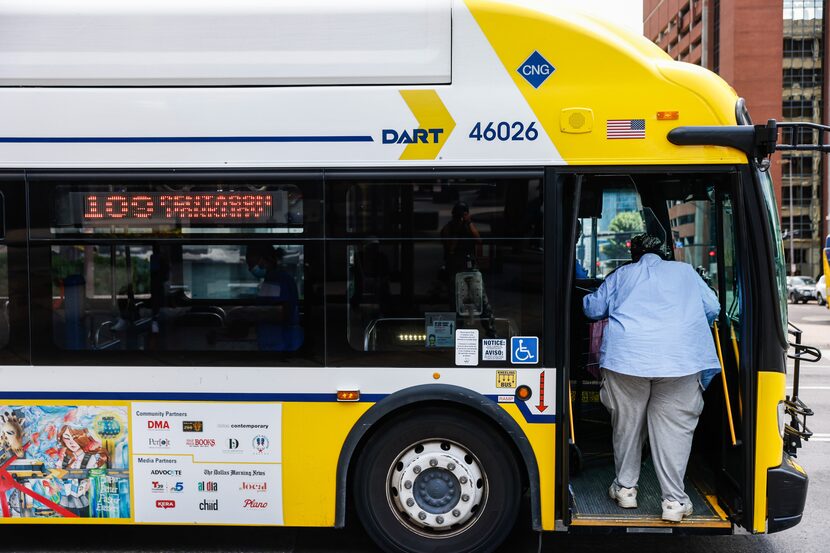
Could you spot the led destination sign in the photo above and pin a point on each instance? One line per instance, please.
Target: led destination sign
(169, 207)
(162, 210)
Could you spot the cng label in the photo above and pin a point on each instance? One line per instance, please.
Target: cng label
(536, 69)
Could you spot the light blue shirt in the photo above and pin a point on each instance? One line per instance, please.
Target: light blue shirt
(659, 314)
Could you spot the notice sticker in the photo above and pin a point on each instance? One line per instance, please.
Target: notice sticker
(466, 347)
(494, 349)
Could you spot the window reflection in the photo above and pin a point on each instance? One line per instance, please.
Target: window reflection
(4, 296)
(391, 308)
(425, 259)
(160, 297)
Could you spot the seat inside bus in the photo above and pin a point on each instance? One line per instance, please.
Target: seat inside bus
(690, 212)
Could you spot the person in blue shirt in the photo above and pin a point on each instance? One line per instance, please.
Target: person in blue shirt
(657, 356)
(282, 332)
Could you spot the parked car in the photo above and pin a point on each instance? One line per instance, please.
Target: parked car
(801, 289)
(821, 291)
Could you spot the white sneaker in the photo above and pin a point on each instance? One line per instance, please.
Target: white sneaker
(674, 511)
(625, 497)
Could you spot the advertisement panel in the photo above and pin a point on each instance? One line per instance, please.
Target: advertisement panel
(207, 462)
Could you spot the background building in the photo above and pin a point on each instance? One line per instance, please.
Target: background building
(774, 60)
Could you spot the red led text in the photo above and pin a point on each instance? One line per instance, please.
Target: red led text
(163, 207)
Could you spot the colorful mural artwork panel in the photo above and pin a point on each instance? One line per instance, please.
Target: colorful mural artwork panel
(62, 461)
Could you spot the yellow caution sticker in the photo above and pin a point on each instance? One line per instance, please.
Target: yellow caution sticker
(506, 379)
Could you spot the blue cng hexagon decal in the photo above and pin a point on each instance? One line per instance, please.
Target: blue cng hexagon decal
(536, 69)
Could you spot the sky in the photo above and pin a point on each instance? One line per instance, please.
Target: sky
(628, 13)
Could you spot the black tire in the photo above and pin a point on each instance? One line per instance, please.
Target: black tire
(820, 299)
(792, 298)
(378, 465)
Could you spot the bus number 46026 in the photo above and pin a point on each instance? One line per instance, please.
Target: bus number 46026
(504, 131)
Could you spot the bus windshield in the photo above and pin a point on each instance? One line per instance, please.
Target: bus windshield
(765, 180)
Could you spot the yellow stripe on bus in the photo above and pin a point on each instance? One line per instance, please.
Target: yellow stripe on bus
(432, 116)
(314, 433)
(615, 75)
(768, 442)
(312, 437)
(542, 438)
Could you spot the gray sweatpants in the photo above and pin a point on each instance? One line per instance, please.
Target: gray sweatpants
(668, 408)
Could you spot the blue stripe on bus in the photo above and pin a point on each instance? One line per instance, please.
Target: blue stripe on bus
(237, 397)
(182, 396)
(534, 417)
(168, 139)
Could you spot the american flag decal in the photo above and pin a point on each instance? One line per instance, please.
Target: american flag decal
(625, 128)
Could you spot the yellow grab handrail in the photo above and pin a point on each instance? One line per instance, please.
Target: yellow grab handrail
(725, 387)
(571, 411)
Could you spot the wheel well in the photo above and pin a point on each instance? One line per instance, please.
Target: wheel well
(462, 401)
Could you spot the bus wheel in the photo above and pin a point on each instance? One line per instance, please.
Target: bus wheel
(434, 480)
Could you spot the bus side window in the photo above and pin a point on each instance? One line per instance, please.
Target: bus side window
(4, 277)
(178, 271)
(207, 297)
(425, 257)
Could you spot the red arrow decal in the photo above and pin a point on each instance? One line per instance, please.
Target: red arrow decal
(541, 407)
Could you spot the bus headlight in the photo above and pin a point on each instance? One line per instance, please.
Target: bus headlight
(781, 414)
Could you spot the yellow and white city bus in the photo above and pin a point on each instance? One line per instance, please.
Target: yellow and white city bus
(273, 263)
(825, 268)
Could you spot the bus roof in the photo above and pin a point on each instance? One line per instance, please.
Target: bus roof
(221, 43)
(440, 82)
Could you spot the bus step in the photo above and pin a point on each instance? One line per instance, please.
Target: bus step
(593, 507)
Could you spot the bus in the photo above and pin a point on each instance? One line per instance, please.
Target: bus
(825, 262)
(318, 264)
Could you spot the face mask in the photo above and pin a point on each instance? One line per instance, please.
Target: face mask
(258, 272)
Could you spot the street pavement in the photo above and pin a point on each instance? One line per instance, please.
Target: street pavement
(807, 537)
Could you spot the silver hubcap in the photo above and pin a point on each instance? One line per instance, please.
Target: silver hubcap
(437, 487)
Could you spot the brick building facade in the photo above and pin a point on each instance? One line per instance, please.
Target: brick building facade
(771, 52)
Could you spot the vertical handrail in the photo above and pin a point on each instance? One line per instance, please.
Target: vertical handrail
(725, 386)
(571, 412)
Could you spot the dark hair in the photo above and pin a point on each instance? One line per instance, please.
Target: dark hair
(459, 209)
(646, 243)
(256, 251)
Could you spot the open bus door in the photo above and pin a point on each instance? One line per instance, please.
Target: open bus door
(825, 261)
(722, 220)
(695, 209)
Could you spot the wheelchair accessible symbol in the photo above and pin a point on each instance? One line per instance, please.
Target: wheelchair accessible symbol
(524, 350)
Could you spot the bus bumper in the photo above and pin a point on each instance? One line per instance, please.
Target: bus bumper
(786, 494)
